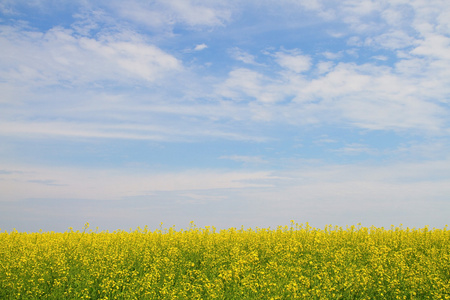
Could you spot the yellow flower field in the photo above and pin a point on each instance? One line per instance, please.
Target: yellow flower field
(290, 262)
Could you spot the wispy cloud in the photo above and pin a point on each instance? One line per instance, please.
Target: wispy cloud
(46, 182)
(355, 149)
(243, 56)
(161, 14)
(245, 159)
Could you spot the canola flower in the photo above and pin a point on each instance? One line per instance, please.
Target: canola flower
(290, 262)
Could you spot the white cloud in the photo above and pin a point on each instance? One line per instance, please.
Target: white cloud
(380, 57)
(154, 17)
(320, 8)
(243, 83)
(200, 47)
(398, 14)
(403, 96)
(331, 55)
(243, 56)
(5, 7)
(367, 96)
(293, 61)
(138, 59)
(435, 47)
(394, 39)
(242, 80)
(373, 97)
(59, 56)
(430, 16)
(443, 22)
(360, 7)
(324, 67)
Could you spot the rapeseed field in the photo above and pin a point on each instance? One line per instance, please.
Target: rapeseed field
(290, 262)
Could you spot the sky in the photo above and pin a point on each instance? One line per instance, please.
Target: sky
(226, 113)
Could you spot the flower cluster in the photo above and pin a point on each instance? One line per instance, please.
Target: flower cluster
(290, 262)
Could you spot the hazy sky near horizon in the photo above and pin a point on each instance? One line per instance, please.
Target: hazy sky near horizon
(225, 113)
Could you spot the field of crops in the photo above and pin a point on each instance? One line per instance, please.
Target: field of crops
(290, 262)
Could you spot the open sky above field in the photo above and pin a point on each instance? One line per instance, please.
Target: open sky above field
(225, 113)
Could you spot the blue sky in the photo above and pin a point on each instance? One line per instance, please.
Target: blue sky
(225, 113)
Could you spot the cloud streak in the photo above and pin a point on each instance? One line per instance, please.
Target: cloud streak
(328, 193)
